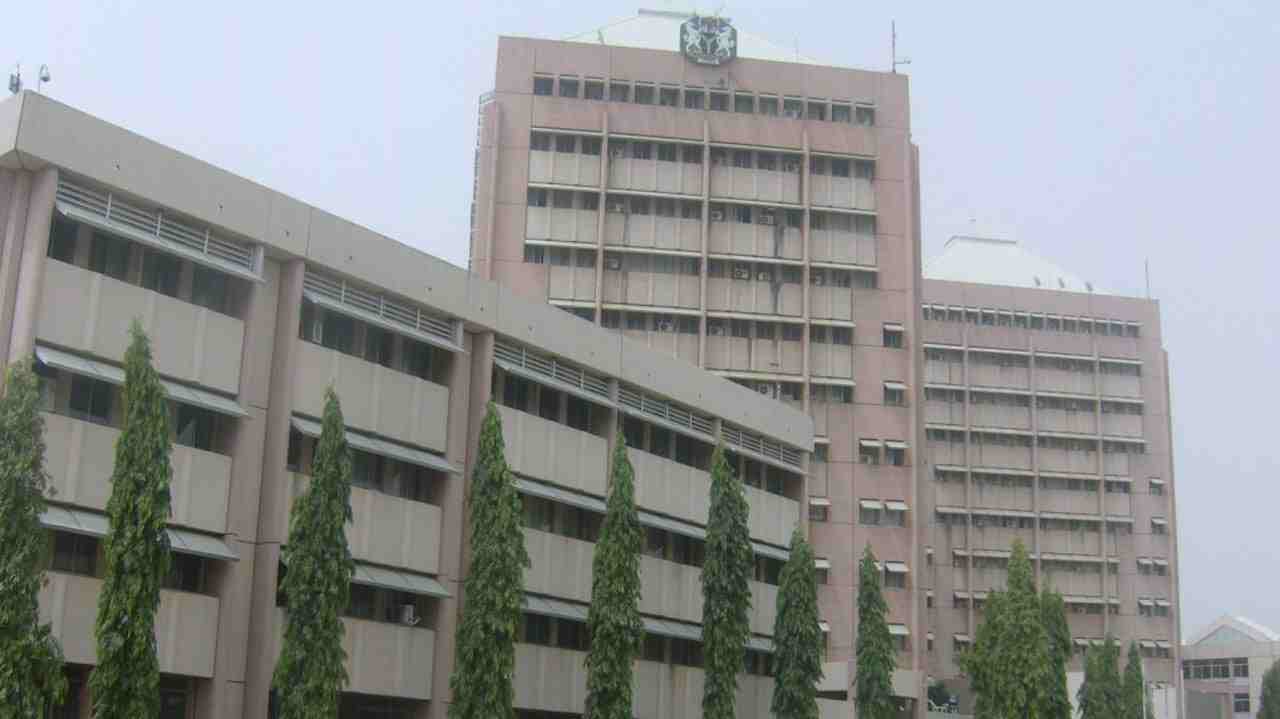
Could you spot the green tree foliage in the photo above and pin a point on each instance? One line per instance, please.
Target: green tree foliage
(876, 657)
(1269, 706)
(316, 585)
(726, 593)
(126, 682)
(30, 658)
(614, 617)
(485, 655)
(1101, 696)
(1133, 690)
(797, 639)
(1053, 615)
(1009, 666)
(939, 695)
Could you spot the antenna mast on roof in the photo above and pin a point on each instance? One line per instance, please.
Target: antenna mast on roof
(1146, 268)
(893, 48)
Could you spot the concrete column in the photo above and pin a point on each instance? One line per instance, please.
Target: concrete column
(227, 688)
(15, 190)
(275, 480)
(602, 195)
(470, 381)
(35, 244)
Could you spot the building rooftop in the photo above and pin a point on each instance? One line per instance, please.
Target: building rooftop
(989, 261)
(660, 30)
(1234, 628)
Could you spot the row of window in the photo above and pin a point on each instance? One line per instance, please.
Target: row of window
(1058, 484)
(689, 266)
(699, 98)
(1234, 668)
(350, 336)
(1032, 320)
(1052, 524)
(574, 635)
(83, 555)
(1146, 567)
(997, 439)
(375, 604)
(177, 696)
(869, 451)
(373, 472)
(1000, 399)
(151, 269)
(100, 402)
(1021, 361)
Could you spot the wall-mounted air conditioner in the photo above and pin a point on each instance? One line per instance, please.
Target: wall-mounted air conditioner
(764, 277)
(792, 166)
(408, 615)
(717, 215)
(715, 331)
(617, 153)
(613, 263)
(665, 326)
(741, 274)
(766, 219)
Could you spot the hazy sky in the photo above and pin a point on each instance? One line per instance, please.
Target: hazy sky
(1098, 134)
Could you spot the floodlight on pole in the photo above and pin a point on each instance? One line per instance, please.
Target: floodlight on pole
(42, 77)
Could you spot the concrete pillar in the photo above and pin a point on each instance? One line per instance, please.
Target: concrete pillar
(275, 478)
(15, 190)
(35, 244)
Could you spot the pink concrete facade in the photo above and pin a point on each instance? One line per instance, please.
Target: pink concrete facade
(779, 251)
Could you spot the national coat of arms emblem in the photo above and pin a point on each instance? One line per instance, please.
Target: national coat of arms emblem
(708, 40)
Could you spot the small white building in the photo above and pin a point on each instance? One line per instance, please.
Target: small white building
(1222, 668)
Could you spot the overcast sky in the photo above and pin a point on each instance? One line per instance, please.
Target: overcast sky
(1098, 134)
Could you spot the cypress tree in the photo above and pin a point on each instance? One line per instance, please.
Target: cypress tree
(1053, 615)
(726, 594)
(1009, 666)
(126, 682)
(875, 655)
(484, 657)
(614, 617)
(30, 659)
(797, 660)
(1134, 690)
(1269, 705)
(311, 672)
(1101, 696)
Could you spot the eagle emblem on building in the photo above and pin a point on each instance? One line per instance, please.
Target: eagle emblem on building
(708, 40)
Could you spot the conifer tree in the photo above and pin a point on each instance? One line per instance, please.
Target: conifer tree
(1009, 666)
(30, 659)
(876, 658)
(484, 657)
(1134, 690)
(726, 593)
(126, 682)
(614, 616)
(797, 657)
(1053, 615)
(311, 673)
(1101, 696)
(1269, 704)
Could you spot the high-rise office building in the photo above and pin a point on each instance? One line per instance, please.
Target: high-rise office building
(1046, 410)
(725, 202)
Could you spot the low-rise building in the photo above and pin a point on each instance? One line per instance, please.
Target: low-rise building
(1223, 666)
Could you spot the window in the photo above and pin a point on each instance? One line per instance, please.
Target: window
(817, 110)
(542, 85)
(619, 92)
(895, 580)
(868, 453)
(196, 427)
(839, 167)
(818, 512)
(211, 289)
(841, 335)
(821, 575)
(1240, 703)
(817, 165)
(668, 96)
(644, 94)
(892, 337)
(869, 513)
(593, 90)
(174, 695)
(535, 254)
(653, 649)
(841, 113)
(186, 573)
(90, 399)
(667, 152)
(896, 456)
(62, 240)
(74, 553)
(566, 143)
(769, 106)
(1240, 669)
(743, 102)
(895, 396)
(693, 99)
(792, 333)
(793, 108)
(720, 101)
(541, 142)
(742, 213)
(160, 273)
(591, 146)
(109, 256)
(767, 161)
(536, 629)
(366, 470)
(865, 116)
(742, 159)
(568, 87)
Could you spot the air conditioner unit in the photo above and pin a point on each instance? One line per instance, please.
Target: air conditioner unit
(764, 277)
(617, 153)
(613, 263)
(717, 215)
(665, 326)
(819, 280)
(766, 219)
(741, 274)
(618, 207)
(408, 615)
(715, 331)
(792, 166)
(764, 389)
